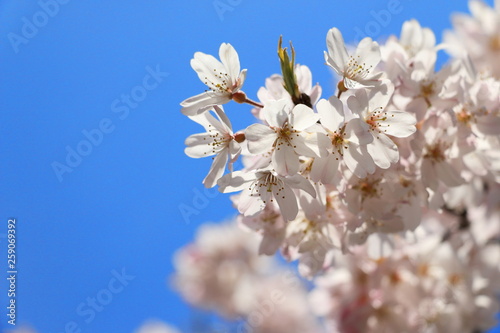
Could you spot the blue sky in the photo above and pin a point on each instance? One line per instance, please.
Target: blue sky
(103, 79)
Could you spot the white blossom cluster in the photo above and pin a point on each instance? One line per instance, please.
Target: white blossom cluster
(386, 191)
(222, 272)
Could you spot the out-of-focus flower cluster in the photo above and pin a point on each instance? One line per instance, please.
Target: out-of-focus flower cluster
(221, 271)
(386, 191)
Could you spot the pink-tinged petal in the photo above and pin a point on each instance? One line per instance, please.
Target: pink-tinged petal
(201, 119)
(399, 124)
(304, 78)
(260, 138)
(423, 64)
(207, 68)
(230, 60)
(428, 38)
(429, 175)
(358, 103)
(358, 132)
(203, 102)
(336, 50)
(381, 95)
(410, 35)
(287, 202)
(368, 53)
(241, 79)
(476, 163)
(235, 181)
(210, 123)
(271, 242)
(318, 169)
(419, 107)
(354, 84)
(412, 213)
(359, 161)
(331, 63)
(489, 124)
(276, 112)
(325, 170)
(199, 145)
(312, 144)
(228, 128)
(331, 113)
(488, 17)
(448, 175)
(300, 183)
(217, 169)
(234, 151)
(383, 150)
(370, 81)
(250, 204)
(302, 117)
(315, 94)
(285, 160)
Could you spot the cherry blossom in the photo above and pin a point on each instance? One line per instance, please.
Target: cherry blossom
(219, 140)
(382, 122)
(349, 140)
(263, 186)
(288, 136)
(356, 70)
(223, 79)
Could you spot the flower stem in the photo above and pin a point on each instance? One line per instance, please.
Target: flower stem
(254, 103)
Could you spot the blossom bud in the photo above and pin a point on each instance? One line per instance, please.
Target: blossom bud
(287, 69)
(239, 137)
(239, 97)
(341, 86)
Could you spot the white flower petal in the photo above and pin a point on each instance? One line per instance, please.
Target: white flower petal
(300, 183)
(249, 205)
(383, 150)
(271, 242)
(199, 145)
(448, 175)
(275, 112)
(217, 169)
(224, 120)
(381, 95)
(304, 78)
(312, 144)
(358, 103)
(337, 52)
(358, 132)
(424, 62)
(368, 52)
(285, 160)
(399, 124)
(234, 150)
(235, 181)
(326, 169)
(354, 84)
(287, 202)
(331, 113)
(359, 161)
(429, 176)
(207, 68)
(230, 60)
(242, 77)
(260, 138)
(315, 94)
(302, 117)
(203, 102)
